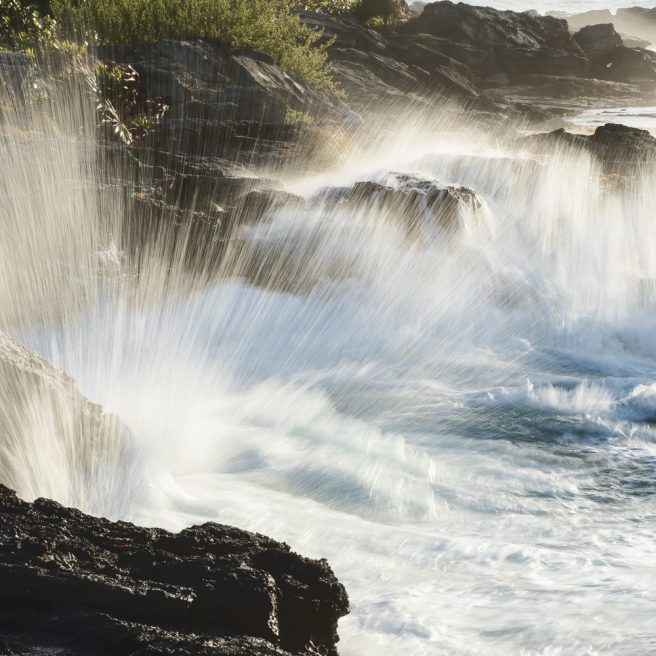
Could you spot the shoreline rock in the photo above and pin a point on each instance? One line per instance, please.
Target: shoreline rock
(622, 151)
(75, 584)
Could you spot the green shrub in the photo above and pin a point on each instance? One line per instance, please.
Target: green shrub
(329, 7)
(270, 26)
(377, 12)
(22, 27)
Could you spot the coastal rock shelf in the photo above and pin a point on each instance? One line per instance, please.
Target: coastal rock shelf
(76, 585)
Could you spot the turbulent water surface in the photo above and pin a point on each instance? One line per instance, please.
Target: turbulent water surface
(461, 421)
(643, 118)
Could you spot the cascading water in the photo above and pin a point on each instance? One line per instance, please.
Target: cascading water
(456, 410)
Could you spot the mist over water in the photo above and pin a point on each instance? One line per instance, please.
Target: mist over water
(459, 417)
(567, 6)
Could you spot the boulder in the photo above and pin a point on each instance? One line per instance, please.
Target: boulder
(420, 205)
(393, 73)
(77, 585)
(614, 142)
(364, 89)
(633, 41)
(619, 147)
(598, 39)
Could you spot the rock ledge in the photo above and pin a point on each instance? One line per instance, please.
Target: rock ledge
(72, 585)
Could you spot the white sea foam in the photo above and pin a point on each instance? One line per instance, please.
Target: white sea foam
(379, 415)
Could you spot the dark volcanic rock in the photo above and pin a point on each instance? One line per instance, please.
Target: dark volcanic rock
(487, 28)
(196, 71)
(234, 105)
(598, 39)
(515, 43)
(76, 585)
(427, 51)
(420, 204)
(613, 144)
(382, 71)
(497, 50)
(519, 61)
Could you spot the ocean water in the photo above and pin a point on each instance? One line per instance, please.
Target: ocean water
(643, 118)
(566, 6)
(461, 420)
(463, 424)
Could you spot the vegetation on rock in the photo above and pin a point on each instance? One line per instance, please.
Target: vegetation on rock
(22, 27)
(385, 12)
(270, 27)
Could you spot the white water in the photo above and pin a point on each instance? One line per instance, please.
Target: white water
(635, 117)
(462, 425)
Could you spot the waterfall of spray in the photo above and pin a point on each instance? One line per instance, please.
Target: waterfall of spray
(433, 365)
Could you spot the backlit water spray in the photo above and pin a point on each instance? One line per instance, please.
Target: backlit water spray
(433, 365)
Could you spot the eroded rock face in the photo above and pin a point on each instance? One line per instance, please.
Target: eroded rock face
(613, 142)
(199, 79)
(598, 39)
(412, 201)
(519, 43)
(76, 585)
(620, 148)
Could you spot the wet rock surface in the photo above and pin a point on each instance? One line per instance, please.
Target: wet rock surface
(75, 584)
(230, 112)
(618, 147)
(486, 60)
(417, 203)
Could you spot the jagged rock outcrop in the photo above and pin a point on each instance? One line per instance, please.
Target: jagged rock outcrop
(201, 80)
(484, 58)
(239, 106)
(598, 39)
(78, 585)
(620, 148)
(419, 204)
(517, 43)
